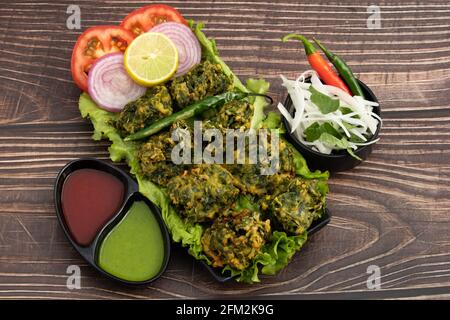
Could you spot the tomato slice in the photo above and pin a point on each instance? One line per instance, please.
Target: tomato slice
(94, 43)
(143, 19)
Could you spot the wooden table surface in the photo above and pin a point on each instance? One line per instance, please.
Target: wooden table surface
(392, 211)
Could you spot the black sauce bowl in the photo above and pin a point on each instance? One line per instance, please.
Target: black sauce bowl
(338, 160)
(131, 194)
(315, 227)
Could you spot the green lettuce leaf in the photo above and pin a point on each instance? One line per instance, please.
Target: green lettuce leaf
(259, 86)
(301, 168)
(103, 128)
(187, 234)
(273, 121)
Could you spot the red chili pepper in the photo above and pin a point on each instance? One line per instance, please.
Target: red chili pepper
(318, 63)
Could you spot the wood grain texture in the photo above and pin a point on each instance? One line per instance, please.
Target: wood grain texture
(391, 211)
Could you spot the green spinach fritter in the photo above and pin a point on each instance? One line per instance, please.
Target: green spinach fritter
(155, 156)
(138, 114)
(235, 239)
(162, 172)
(236, 114)
(203, 192)
(251, 181)
(296, 204)
(204, 80)
(157, 148)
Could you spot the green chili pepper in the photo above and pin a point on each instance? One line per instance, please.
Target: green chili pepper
(190, 111)
(343, 69)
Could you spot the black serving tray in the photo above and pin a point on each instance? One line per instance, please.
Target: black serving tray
(315, 227)
(89, 253)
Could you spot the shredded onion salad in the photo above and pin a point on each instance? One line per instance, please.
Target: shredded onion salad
(326, 118)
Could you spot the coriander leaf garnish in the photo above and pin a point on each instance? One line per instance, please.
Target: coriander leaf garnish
(314, 131)
(325, 103)
(336, 143)
(345, 110)
(355, 139)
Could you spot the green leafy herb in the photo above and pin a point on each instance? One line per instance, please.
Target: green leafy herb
(336, 143)
(355, 139)
(314, 131)
(348, 125)
(345, 110)
(325, 103)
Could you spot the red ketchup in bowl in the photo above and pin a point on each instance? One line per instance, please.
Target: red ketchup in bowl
(90, 198)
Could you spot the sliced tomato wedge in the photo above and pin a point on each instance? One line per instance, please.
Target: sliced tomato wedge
(94, 43)
(143, 19)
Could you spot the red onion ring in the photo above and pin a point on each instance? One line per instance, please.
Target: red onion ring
(110, 86)
(189, 50)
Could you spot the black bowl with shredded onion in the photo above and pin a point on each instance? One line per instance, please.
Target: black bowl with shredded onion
(339, 160)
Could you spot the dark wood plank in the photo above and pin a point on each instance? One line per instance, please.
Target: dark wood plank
(392, 211)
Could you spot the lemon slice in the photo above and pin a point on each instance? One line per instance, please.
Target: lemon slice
(151, 59)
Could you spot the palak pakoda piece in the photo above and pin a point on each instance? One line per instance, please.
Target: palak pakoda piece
(296, 204)
(157, 148)
(162, 172)
(235, 239)
(287, 164)
(154, 159)
(155, 156)
(138, 114)
(236, 114)
(202, 192)
(250, 178)
(205, 80)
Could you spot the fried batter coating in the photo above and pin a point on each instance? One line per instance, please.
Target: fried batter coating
(138, 114)
(235, 239)
(205, 80)
(296, 204)
(236, 114)
(202, 192)
(155, 156)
